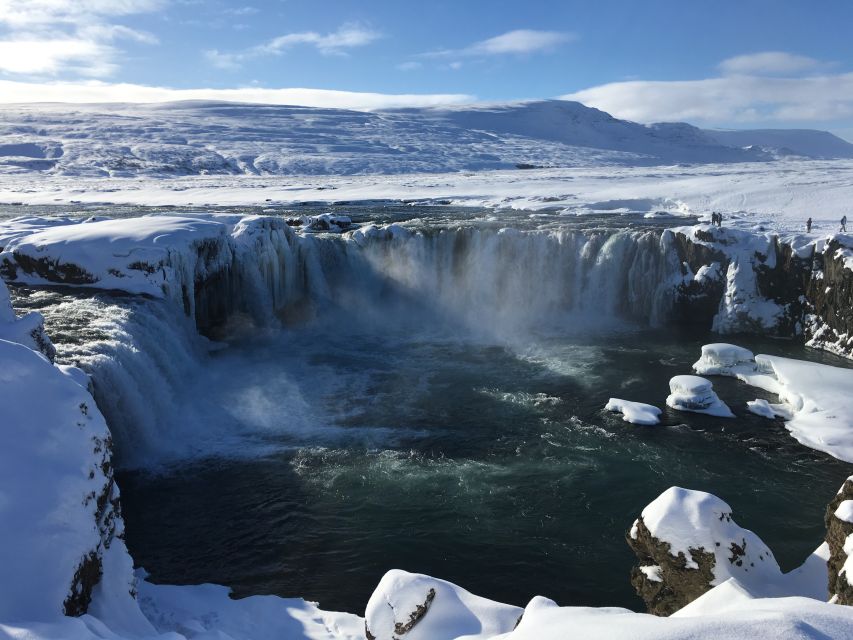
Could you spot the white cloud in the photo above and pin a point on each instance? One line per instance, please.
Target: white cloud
(769, 63)
(49, 37)
(517, 42)
(95, 91)
(411, 65)
(347, 36)
(729, 99)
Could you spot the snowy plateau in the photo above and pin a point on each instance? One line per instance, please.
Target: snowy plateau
(233, 242)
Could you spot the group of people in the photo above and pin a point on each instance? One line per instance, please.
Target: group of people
(842, 227)
(717, 220)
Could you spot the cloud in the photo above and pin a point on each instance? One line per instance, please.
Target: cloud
(768, 63)
(50, 37)
(733, 98)
(347, 36)
(94, 91)
(411, 65)
(517, 42)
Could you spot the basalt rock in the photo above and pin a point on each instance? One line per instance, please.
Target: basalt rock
(664, 581)
(686, 543)
(837, 532)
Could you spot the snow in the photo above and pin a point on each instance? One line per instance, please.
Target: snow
(844, 511)
(696, 394)
(452, 612)
(693, 520)
(634, 412)
(51, 438)
(762, 408)
(721, 358)
(652, 572)
(815, 399)
(229, 138)
(755, 618)
(137, 255)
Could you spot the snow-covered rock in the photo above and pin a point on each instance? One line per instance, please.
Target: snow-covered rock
(839, 539)
(696, 394)
(58, 500)
(418, 607)
(687, 542)
(720, 359)
(634, 412)
(815, 399)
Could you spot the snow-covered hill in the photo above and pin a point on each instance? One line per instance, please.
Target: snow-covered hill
(186, 138)
(787, 142)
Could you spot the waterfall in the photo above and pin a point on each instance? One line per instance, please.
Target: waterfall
(144, 355)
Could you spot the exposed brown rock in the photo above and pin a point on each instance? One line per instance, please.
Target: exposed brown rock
(679, 584)
(837, 530)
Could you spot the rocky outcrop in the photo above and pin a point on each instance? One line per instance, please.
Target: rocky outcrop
(829, 322)
(745, 282)
(686, 542)
(839, 528)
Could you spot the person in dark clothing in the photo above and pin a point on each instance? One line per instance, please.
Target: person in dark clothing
(843, 224)
(809, 225)
(720, 220)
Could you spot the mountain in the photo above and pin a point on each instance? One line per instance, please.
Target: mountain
(186, 138)
(787, 142)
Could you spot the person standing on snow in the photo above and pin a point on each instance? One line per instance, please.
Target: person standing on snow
(809, 225)
(843, 224)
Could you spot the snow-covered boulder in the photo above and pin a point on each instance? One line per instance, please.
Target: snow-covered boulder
(696, 394)
(411, 606)
(839, 537)
(687, 542)
(634, 412)
(723, 359)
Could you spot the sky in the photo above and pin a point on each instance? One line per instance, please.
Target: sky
(730, 64)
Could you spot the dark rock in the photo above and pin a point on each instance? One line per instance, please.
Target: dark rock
(837, 530)
(679, 584)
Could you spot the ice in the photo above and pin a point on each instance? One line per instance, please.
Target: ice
(692, 393)
(634, 412)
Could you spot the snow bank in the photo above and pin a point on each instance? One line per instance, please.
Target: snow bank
(757, 619)
(634, 412)
(692, 393)
(56, 489)
(419, 607)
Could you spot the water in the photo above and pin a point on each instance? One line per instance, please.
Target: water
(432, 404)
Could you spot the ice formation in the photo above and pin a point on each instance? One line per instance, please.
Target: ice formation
(692, 393)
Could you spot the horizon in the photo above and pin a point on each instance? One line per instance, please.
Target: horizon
(372, 56)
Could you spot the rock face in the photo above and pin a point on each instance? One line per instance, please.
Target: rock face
(839, 528)
(743, 282)
(686, 543)
(829, 324)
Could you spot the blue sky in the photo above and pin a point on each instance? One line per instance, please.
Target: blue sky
(747, 63)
